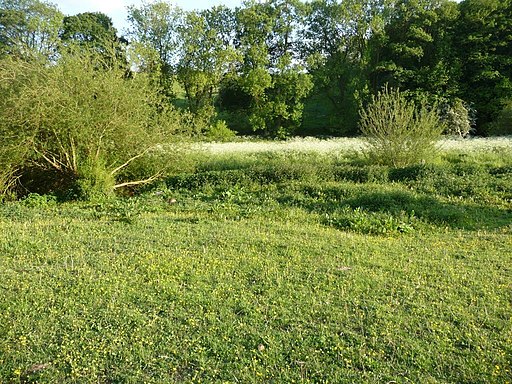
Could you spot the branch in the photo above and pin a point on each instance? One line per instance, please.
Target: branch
(138, 182)
(129, 161)
(54, 163)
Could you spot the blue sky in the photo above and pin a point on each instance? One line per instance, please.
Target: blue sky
(116, 9)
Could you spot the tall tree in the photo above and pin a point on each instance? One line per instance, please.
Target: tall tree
(94, 31)
(272, 76)
(484, 43)
(206, 55)
(335, 41)
(29, 28)
(154, 35)
(413, 51)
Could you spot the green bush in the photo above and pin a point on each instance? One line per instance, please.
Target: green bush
(399, 132)
(219, 131)
(375, 223)
(459, 119)
(360, 174)
(7, 182)
(83, 118)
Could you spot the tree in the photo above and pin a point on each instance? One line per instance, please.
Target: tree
(94, 31)
(271, 74)
(484, 45)
(414, 50)
(206, 55)
(155, 39)
(335, 42)
(29, 28)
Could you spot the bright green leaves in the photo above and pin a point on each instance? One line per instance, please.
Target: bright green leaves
(207, 54)
(29, 28)
(78, 120)
(271, 73)
(155, 39)
(398, 132)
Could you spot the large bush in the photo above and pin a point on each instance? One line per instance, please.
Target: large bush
(81, 120)
(399, 131)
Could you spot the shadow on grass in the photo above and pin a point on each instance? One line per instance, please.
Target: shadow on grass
(397, 210)
(368, 199)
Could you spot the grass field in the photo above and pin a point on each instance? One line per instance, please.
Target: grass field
(279, 265)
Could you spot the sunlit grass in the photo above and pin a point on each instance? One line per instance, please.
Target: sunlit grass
(259, 267)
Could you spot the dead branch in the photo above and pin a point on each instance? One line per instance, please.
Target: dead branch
(129, 161)
(138, 182)
(54, 162)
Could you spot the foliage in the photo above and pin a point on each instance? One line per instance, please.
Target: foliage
(219, 131)
(94, 31)
(256, 66)
(154, 33)
(503, 124)
(397, 131)
(459, 119)
(29, 29)
(206, 54)
(8, 179)
(414, 49)
(362, 221)
(484, 43)
(272, 77)
(16, 144)
(336, 46)
(82, 119)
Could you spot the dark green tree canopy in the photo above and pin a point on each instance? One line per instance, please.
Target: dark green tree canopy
(484, 45)
(94, 31)
(413, 50)
(89, 28)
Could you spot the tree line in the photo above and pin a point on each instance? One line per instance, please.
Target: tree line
(283, 67)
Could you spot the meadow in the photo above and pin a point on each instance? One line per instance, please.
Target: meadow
(268, 262)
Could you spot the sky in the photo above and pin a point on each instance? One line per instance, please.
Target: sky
(116, 9)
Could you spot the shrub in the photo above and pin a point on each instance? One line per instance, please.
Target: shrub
(15, 143)
(358, 174)
(368, 222)
(459, 119)
(81, 117)
(7, 182)
(219, 131)
(397, 131)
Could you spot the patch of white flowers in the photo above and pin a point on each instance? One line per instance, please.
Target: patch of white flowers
(334, 145)
(307, 144)
(478, 144)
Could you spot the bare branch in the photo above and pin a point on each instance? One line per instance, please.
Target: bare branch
(129, 161)
(138, 182)
(54, 162)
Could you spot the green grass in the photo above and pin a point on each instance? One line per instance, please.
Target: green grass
(302, 268)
